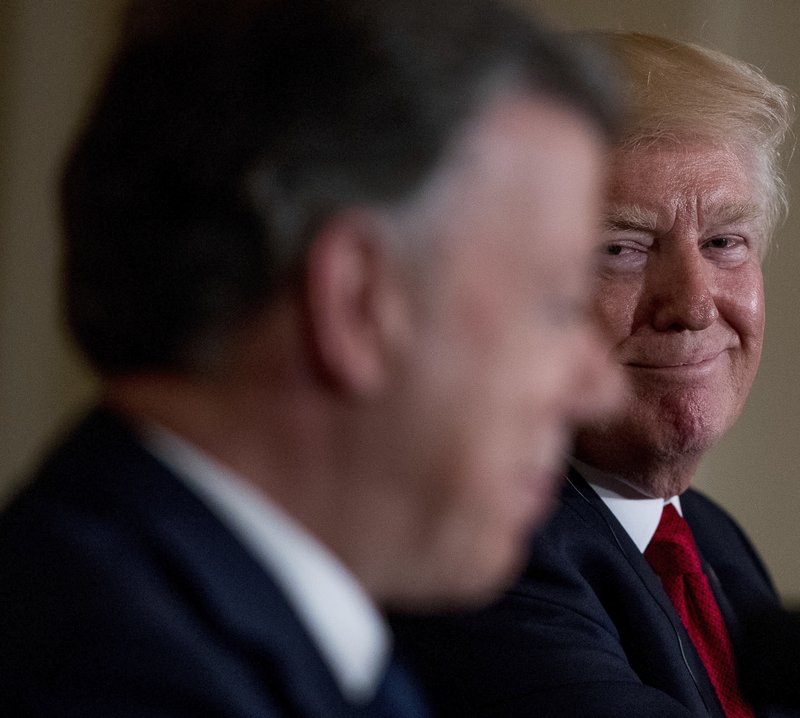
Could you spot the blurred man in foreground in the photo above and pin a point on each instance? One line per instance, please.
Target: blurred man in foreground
(331, 260)
(635, 588)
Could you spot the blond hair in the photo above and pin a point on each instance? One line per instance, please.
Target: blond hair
(684, 92)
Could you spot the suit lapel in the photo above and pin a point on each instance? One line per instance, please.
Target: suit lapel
(253, 613)
(212, 570)
(584, 500)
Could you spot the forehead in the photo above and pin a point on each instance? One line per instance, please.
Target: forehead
(651, 185)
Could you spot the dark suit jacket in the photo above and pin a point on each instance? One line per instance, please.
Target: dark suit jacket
(588, 631)
(122, 595)
(769, 657)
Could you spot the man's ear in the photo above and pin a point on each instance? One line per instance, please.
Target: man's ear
(358, 306)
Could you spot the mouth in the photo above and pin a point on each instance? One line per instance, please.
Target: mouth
(676, 364)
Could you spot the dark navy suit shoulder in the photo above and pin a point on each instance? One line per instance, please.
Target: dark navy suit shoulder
(587, 630)
(122, 595)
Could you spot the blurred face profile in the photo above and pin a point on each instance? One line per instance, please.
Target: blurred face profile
(680, 295)
(506, 358)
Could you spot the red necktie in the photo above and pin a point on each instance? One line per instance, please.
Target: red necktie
(673, 555)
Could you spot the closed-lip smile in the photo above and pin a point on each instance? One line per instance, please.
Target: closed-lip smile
(675, 363)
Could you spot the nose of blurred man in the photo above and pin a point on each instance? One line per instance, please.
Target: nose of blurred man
(598, 387)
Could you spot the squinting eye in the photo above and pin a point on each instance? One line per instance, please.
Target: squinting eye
(719, 242)
(623, 251)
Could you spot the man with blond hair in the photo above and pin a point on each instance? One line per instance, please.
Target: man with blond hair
(634, 591)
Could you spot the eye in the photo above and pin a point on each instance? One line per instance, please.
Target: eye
(622, 248)
(623, 251)
(726, 249)
(720, 242)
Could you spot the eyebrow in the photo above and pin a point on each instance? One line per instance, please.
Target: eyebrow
(739, 212)
(639, 218)
(630, 216)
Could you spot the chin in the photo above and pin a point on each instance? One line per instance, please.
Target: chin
(487, 579)
(672, 444)
(666, 486)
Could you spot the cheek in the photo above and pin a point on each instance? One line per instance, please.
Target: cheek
(753, 309)
(742, 307)
(615, 306)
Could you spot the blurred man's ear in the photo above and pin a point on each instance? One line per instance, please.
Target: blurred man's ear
(357, 303)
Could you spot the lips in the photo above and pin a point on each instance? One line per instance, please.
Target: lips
(677, 363)
(674, 360)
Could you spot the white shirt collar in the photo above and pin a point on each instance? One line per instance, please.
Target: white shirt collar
(638, 513)
(350, 633)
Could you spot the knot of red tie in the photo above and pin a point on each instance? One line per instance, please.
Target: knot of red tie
(672, 550)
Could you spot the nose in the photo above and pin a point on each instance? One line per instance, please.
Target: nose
(680, 295)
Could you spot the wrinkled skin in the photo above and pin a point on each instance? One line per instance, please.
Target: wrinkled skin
(680, 294)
